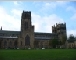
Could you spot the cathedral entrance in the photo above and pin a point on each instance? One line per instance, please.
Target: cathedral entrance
(27, 41)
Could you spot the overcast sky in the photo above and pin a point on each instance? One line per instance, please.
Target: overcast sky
(44, 15)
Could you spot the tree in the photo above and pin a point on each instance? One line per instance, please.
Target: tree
(64, 38)
(50, 43)
(55, 42)
(71, 38)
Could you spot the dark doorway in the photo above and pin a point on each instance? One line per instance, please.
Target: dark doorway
(15, 44)
(27, 41)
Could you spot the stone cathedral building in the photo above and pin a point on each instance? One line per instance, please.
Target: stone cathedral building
(27, 38)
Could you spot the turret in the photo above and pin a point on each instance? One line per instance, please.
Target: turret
(1, 27)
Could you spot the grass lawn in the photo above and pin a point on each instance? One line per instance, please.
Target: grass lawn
(47, 54)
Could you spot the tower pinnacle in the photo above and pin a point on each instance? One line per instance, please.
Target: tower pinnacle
(1, 27)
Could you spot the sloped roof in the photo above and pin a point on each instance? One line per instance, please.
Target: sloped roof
(17, 32)
(8, 37)
(41, 35)
(11, 32)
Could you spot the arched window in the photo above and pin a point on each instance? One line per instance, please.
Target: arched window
(27, 40)
(15, 43)
(26, 25)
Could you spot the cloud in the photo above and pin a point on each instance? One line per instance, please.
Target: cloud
(17, 3)
(44, 24)
(61, 2)
(73, 17)
(51, 6)
(46, 6)
(8, 22)
(16, 12)
(71, 8)
(74, 12)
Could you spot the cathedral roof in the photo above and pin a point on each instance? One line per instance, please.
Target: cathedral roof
(8, 31)
(14, 34)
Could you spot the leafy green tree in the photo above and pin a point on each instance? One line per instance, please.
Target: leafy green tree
(50, 43)
(55, 42)
(64, 38)
(71, 38)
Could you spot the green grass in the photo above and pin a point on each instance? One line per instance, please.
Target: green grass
(47, 54)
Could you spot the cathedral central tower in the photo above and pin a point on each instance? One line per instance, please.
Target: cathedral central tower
(25, 20)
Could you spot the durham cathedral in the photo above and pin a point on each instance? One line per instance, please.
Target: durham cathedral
(27, 38)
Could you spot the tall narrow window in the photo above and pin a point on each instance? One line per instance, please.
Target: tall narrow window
(26, 25)
(41, 44)
(5, 43)
(15, 43)
(27, 40)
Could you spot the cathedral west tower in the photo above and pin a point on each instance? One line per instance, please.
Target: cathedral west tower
(26, 38)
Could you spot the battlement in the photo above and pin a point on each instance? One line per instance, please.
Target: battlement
(26, 11)
(60, 24)
(59, 28)
(26, 15)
